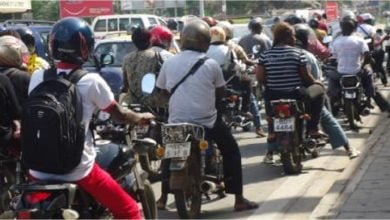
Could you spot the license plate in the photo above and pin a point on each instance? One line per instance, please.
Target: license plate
(284, 124)
(350, 95)
(173, 150)
(141, 130)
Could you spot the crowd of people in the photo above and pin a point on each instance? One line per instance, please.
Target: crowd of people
(291, 59)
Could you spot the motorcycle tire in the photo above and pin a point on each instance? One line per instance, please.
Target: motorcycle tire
(6, 180)
(350, 111)
(152, 167)
(291, 161)
(247, 128)
(188, 206)
(148, 201)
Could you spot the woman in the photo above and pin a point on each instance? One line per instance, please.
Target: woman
(282, 69)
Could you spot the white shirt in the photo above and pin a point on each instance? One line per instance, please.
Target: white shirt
(349, 50)
(194, 100)
(165, 54)
(95, 94)
(365, 30)
(218, 53)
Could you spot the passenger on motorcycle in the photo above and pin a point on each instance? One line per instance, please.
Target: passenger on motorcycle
(249, 102)
(195, 102)
(281, 70)
(70, 51)
(12, 66)
(352, 54)
(329, 123)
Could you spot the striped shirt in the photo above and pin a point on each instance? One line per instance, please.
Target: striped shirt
(281, 64)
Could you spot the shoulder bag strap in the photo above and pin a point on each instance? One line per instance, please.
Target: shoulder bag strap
(194, 68)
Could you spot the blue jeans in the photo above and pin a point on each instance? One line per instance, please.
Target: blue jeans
(254, 109)
(331, 127)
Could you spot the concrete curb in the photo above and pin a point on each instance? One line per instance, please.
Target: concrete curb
(331, 204)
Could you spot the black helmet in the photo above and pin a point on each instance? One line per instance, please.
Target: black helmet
(293, 19)
(255, 25)
(314, 23)
(348, 24)
(71, 40)
(27, 36)
(196, 36)
(302, 34)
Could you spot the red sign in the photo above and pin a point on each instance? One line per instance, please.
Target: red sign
(85, 8)
(331, 10)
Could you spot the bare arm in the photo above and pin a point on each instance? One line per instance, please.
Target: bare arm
(260, 74)
(122, 115)
(306, 76)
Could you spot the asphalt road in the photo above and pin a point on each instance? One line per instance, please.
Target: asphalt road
(279, 195)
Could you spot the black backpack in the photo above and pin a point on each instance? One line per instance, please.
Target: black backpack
(52, 132)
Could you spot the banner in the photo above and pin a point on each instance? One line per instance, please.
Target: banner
(85, 8)
(332, 10)
(14, 6)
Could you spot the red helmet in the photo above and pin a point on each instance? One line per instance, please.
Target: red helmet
(161, 36)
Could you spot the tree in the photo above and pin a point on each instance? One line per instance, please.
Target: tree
(45, 10)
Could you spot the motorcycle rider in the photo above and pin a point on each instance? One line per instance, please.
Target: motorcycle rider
(249, 102)
(352, 54)
(329, 123)
(255, 38)
(281, 70)
(70, 51)
(34, 61)
(138, 63)
(196, 98)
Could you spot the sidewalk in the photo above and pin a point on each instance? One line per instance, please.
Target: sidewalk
(363, 190)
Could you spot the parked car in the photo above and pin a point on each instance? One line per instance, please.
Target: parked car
(118, 48)
(108, 24)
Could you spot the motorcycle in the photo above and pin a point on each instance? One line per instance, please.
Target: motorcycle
(291, 138)
(54, 199)
(185, 145)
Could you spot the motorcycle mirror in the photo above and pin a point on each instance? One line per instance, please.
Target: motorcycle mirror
(256, 49)
(148, 83)
(327, 39)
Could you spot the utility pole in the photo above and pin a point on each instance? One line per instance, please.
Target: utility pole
(201, 8)
(224, 7)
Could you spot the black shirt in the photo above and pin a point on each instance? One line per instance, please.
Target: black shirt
(20, 80)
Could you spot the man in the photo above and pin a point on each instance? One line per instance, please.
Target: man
(352, 54)
(195, 101)
(70, 51)
(255, 38)
(379, 55)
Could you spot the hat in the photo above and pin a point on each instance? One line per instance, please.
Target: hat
(217, 34)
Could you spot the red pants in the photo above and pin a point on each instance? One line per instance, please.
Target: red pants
(102, 187)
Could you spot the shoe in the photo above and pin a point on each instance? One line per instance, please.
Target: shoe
(161, 205)
(260, 132)
(353, 153)
(268, 158)
(245, 205)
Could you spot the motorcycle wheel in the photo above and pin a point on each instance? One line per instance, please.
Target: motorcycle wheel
(148, 201)
(247, 128)
(152, 167)
(6, 180)
(291, 161)
(188, 204)
(350, 111)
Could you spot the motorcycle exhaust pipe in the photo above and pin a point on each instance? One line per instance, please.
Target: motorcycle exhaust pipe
(208, 187)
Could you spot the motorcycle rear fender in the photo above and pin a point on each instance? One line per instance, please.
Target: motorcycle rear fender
(285, 141)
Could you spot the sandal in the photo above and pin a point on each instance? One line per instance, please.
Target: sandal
(245, 205)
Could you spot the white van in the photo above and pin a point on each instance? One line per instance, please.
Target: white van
(113, 24)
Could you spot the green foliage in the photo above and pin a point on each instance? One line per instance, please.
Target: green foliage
(45, 9)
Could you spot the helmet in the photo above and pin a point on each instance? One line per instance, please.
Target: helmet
(26, 35)
(293, 19)
(210, 21)
(161, 36)
(349, 23)
(255, 25)
(228, 28)
(314, 23)
(217, 34)
(366, 18)
(302, 34)
(71, 40)
(195, 36)
(13, 52)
